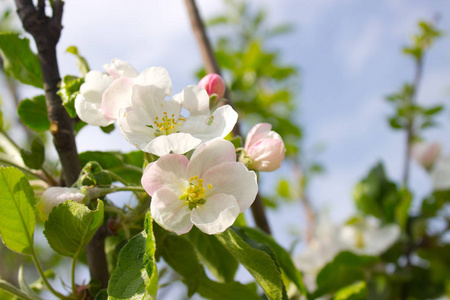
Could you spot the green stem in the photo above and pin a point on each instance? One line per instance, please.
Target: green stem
(8, 287)
(24, 170)
(50, 178)
(74, 287)
(44, 278)
(10, 140)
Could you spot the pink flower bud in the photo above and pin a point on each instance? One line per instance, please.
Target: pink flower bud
(213, 84)
(265, 148)
(426, 154)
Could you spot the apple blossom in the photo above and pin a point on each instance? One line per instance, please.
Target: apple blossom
(159, 126)
(264, 149)
(88, 104)
(209, 191)
(440, 174)
(368, 237)
(213, 84)
(426, 154)
(56, 195)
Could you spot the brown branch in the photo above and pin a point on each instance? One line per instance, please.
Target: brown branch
(46, 32)
(212, 66)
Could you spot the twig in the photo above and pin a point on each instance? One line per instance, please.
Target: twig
(410, 125)
(46, 32)
(212, 66)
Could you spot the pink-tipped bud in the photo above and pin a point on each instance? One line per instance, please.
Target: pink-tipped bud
(213, 84)
(426, 154)
(265, 148)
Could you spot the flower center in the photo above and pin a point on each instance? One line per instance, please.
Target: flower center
(166, 125)
(359, 243)
(195, 193)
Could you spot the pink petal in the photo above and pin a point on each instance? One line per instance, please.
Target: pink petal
(170, 212)
(210, 154)
(119, 68)
(255, 133)
(267, 154)
(217, 214)
(168, 172)
(233, 179)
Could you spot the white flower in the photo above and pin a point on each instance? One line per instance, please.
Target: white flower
(209, 191)
(426, 154)
(88, 104)
(265, 148)
(159, 126)
(440, 174)
(368, 237)
(320, 251)
(56, 195)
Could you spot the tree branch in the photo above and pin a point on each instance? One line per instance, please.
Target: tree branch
(46, 32)
(212, 66)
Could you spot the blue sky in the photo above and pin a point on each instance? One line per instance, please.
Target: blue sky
(349, 54)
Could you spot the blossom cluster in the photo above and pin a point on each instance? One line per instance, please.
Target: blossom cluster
(210, 189)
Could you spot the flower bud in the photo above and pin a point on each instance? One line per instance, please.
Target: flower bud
(264, 148)
(56, 195)
(426, 154)
(213, 84)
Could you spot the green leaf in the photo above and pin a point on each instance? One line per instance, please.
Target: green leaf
(179, 253)
(108, 129)
(402, 209)
(257, 258)
(69, 90)
(82, 63)
(17, 218)
(283, 257)
(34, 158)
(33, 113)
(102, 295)
(356, 291)
(71, 225)
(19, 61)
(11, 289)
(127, 166)
(283, 189)
(214, 255)
(149, 258)
(225, 291)
(130, 278)
(345, 269)
(376, 195)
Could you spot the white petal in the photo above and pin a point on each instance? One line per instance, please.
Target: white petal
(194, 99)
(153, 103)
(209, 155)
(223, 120)
(217, 214)
(379, 240)
(119, 68)
(116, 97)
(440, 175)
(255, 134)
(88, 102)
(234, 179)
(157, 82)
(170, 212)
(179, 143)
(168, 172)
(90, 112)
(133, 127)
